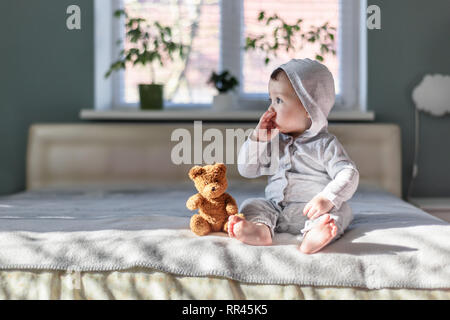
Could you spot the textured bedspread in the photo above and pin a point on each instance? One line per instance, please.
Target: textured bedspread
(390, 244)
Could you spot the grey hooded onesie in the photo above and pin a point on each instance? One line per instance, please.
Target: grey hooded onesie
(315, 162)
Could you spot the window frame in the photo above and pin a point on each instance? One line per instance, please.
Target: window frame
(352, 34)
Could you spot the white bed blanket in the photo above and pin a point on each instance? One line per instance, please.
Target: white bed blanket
(390, 244)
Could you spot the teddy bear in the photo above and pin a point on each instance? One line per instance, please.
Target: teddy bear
(213, 203)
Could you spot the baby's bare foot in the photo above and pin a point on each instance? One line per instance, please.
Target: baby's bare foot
(249, 232)
(319, 236)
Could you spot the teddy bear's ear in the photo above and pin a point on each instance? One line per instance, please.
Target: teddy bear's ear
(221, 167)
(195, 172)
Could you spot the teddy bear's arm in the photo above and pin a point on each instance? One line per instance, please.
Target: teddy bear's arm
(194, 201)
(230, 205)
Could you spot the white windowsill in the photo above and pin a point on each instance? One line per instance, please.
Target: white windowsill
(202, 114)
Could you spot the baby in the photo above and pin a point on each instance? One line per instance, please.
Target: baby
(315, 177)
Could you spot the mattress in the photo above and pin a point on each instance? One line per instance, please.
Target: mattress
(37, 282)
(145, 284)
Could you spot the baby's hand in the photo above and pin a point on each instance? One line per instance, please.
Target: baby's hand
(318, 206)
(266, 128)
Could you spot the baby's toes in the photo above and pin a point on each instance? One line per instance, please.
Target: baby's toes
(324, 219)
(238, 229)
(230, 227)
(333, 228)
(334, 231)
(232, 220)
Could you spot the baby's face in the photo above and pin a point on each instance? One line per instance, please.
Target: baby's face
(291, 117)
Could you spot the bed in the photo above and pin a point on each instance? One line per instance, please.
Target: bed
(104, 217)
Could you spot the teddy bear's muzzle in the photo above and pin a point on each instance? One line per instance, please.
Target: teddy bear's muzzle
(213, 190)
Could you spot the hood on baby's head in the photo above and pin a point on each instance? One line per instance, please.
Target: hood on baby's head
(314, 85)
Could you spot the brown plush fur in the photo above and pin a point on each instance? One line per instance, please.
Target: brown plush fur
(213, 203)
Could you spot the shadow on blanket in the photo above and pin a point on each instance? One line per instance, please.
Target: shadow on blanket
(366, 248)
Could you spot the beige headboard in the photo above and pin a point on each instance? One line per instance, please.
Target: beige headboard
(64, 155)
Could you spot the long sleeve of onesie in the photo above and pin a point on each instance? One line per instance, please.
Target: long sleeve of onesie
(343, 172)
(254, 158)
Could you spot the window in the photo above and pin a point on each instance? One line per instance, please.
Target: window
(195, 24)
(215, 32)
(313, 12)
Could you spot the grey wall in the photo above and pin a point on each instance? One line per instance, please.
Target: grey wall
(46, 75)
(413, 41)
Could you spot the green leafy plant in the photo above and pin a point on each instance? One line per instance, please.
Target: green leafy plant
(223, 82)
(285, 36)
(149, 43)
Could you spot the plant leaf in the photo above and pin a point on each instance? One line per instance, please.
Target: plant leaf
(261, 15)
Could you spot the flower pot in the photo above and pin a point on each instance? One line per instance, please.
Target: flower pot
(224, 102)
(151, 96)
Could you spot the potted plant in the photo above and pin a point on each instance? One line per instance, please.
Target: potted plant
(147, 45)
(224, 83)
(284, 36)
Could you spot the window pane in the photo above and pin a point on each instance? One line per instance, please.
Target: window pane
(313, 12)
(196, 24)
